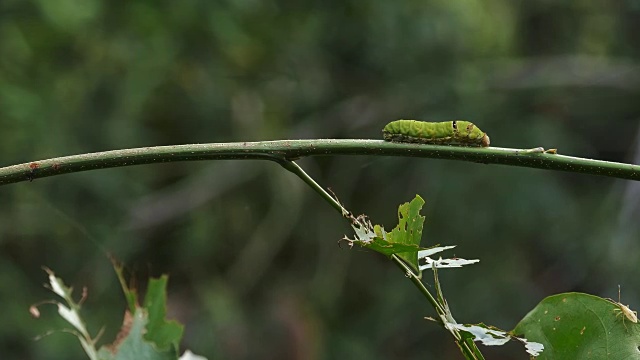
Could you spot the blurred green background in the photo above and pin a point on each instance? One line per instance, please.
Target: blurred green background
(255, 267)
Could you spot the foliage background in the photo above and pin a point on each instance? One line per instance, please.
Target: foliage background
(256, 271)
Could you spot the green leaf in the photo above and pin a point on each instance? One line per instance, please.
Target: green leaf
(403, 240)
(581, 326)
(132, 343)
(159, 330)
(380, 243)
(388, 248)
(409, 231)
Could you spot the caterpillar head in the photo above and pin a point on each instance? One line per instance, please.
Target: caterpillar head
(467, 130)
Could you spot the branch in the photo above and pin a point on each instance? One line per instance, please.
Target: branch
(284, 150)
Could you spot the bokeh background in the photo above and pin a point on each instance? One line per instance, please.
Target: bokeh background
(255, 267)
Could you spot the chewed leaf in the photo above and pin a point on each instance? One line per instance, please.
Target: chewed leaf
(409, 230)
(486, 336)
(441, 263)
(446, 263)
(145, 332)
(403, 240)
(434, 250)
(375, 238)
(533, 348)
(365, 233)
(133, 344)
(57, 286)
(493, 337)
(69, 312)
(164, 333)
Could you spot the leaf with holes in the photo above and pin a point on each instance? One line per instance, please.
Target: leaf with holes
(403, 240)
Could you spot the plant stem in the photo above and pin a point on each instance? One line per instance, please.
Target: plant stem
(297, 170)
(284, 150)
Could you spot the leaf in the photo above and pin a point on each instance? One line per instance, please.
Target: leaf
(489, 336)
(163, 332)
(484, 335)
(133, 345)
(70, 313)
(409, 230)
(387, 247)
(441, 263)
(580, 326)
(447, 263)
(403, 240)
(434, 250)
(144, 335)
(58, 286)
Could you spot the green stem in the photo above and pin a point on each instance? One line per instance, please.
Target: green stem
(420, 285)
(296, 169)
(282, 150)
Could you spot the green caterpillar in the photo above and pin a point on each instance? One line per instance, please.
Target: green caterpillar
(457, 132)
